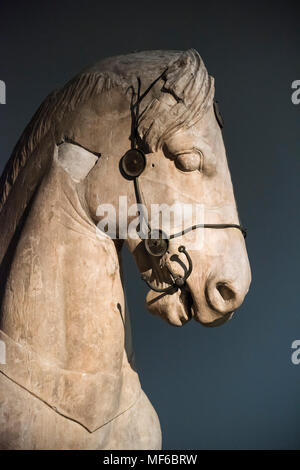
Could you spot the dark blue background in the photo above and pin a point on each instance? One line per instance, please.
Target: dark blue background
(234, 386)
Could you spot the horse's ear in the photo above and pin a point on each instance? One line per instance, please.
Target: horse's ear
(75, 160)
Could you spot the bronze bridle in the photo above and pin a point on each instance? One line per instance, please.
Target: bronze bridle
(132, 165)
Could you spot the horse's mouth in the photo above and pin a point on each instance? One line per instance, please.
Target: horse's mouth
(180, 307)
(186, 299)
(177, 308)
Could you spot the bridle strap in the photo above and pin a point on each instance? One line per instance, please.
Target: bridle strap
(194, 227)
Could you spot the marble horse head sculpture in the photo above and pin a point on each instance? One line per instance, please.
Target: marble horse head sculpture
(141, 128)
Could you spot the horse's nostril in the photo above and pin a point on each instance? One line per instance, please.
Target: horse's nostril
(225, 291)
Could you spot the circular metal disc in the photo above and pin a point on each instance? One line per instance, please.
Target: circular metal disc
(157, 244)
(133, 163)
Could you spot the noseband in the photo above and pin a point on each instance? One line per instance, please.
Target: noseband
(156, 242)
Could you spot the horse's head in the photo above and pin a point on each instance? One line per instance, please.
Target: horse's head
(163, 107)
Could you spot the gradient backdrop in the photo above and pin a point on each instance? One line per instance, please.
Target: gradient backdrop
(235, 386)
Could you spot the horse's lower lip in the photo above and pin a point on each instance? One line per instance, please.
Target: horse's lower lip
(218, 321)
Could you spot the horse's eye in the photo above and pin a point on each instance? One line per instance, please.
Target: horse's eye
(189, 161)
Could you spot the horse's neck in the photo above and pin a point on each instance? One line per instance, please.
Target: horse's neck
(64, 297)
